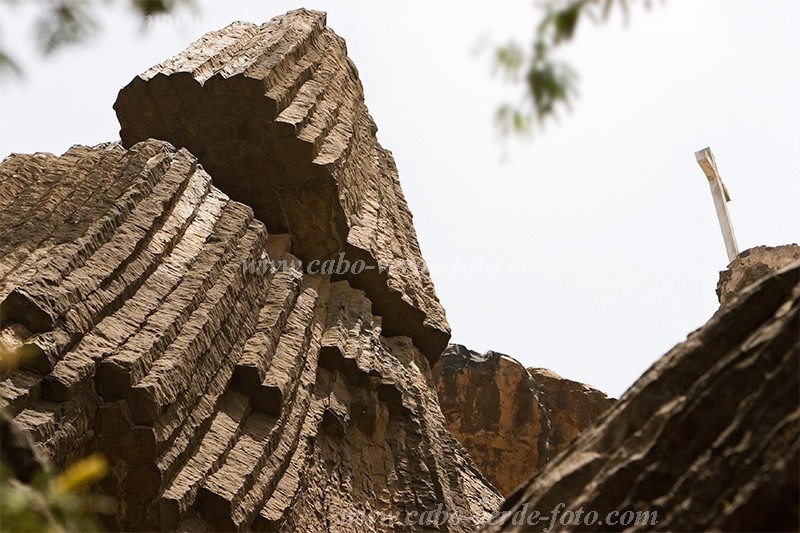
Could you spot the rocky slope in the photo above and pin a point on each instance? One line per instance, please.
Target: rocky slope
(706, 440)
(154, 323)
(511, 420)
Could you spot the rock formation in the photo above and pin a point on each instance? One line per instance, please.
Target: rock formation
(706, 440)
(161, 322)
(276, 114)
(752, 265)
(511, 420)
(571, 407)
(165, 300)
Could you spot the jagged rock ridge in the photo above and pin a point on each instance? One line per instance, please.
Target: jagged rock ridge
(227, 397)
(511, 420)
(706, 440)
(276, 114)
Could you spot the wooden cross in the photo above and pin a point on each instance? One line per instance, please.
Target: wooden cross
(720, 194)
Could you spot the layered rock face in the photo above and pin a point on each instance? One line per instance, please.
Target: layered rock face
(706, 440)
(511, 420)
(276, 114)
(154, 319)
(752, 265)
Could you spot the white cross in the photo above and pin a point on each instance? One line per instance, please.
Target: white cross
(720, 194)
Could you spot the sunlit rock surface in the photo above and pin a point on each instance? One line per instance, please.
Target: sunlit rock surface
(512, 420)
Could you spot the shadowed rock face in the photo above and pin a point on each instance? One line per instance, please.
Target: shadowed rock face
(224, 397)
(276, 114)
(706, 440)
(511, 420)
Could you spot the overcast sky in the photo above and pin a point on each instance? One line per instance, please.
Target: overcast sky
(591, 249)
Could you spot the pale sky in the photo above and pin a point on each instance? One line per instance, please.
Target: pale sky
(591, 249)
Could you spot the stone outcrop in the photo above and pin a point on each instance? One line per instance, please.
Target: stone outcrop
(571, 407)
(511, 420)
(276, 114)
(706, 440)
(751, 265)
(149, 316)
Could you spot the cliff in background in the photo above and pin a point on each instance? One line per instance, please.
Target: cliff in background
(511, 420)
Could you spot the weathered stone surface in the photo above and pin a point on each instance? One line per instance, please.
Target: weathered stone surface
(751, 265)
(225, 397)
(511, 420)
(276, 114)
(571, 407)
(707, 439)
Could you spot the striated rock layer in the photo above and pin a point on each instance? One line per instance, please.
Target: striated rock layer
(276, 114)
(511, 420)
(706, 440)
(225, 397)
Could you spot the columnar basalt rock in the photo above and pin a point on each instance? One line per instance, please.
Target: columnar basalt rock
(152, 317)
(224, 396)
(276, 114)
(512, 421)
(706, 440)
(157, 306)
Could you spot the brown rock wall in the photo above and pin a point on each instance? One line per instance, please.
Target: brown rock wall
(511, 420)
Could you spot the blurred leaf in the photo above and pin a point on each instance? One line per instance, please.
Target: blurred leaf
(80, 475)
(549, 84)
(35, 507)
(565, 21)
(509, 59)
(150, 7)
(156, 7)
(8, 66)
(510, 119)
(65, 22)
(62, 22)
(607, 5)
